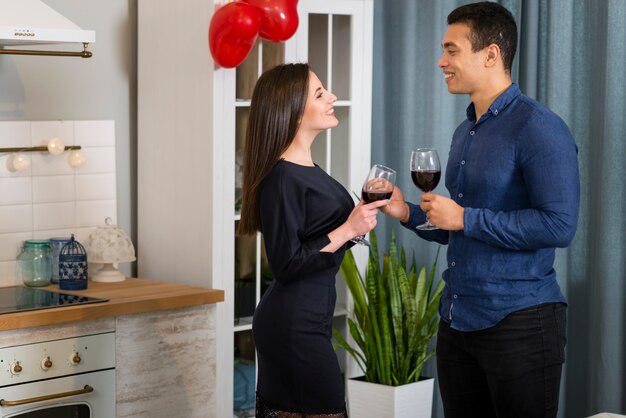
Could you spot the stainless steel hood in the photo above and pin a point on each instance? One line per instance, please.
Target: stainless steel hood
(32, 22)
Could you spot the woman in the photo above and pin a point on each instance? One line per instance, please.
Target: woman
(307, 219)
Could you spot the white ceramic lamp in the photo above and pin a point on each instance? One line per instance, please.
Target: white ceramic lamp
(108, 245)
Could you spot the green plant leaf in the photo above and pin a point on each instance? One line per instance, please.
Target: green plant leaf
(397, 323)
(354, 283)
(395, 314)
(342, 343)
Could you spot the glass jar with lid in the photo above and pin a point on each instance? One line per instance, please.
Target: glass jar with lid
(34, 264)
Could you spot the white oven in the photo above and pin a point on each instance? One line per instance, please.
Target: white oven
(68, 378)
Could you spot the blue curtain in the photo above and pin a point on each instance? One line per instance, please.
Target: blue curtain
(572, 58)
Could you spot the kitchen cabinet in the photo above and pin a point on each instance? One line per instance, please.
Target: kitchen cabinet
(165, 346)
(191, 127)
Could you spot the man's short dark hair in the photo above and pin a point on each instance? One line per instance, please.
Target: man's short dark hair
(490, 23)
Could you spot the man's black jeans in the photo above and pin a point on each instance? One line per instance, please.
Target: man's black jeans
(508, 371)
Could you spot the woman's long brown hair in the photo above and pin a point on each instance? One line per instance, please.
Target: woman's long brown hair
(276, 108)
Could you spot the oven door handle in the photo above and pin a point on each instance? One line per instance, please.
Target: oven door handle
(86, 389)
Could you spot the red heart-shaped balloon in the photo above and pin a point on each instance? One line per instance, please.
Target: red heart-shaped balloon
(279, 18)
(233, 30)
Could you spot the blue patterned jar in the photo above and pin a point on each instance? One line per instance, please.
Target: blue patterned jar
(57, 244)
(73, 266)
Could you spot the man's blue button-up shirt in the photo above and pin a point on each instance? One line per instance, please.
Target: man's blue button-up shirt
(515, 171)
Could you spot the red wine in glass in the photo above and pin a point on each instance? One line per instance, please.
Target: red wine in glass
(378, 185)
(426, 180)
(425, 173)
(370, 197)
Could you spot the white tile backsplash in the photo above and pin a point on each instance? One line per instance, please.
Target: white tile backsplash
(8, 276)
(50, 189)
(94, 212)
(54, 233)
(46, 164)
(10, 245)
(81, 234)
(100, 160)
(52, 199)
(95, 187)
(16, 218)
(54, 215)
(15, 191)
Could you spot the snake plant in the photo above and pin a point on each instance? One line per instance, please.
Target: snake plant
(394, 318)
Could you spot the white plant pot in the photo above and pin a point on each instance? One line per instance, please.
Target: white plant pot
(371, 400)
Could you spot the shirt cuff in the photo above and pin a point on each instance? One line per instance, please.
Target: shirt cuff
(416, 217)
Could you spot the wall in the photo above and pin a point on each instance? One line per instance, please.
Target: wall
(98, 88)
(52, 199)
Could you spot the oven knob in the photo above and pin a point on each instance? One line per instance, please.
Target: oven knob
(75, 359)
(46, 363)
(16, 368)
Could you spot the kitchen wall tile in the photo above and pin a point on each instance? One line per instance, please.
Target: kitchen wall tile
(15, 191)
(50, 189)
(95, 187)
(54, 215)
(16, 218)
(42, 132)
(94, 133)
(82, 234)
(94, 212)
(15, 134)
(45, 164)
(99, 160)
(53, 233)
(8, 276)
(11, 244)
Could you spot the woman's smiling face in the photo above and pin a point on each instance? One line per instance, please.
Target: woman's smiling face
(319, 112)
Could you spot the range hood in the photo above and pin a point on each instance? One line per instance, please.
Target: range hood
(32, 22)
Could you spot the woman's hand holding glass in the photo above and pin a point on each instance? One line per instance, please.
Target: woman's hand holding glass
(377, 187)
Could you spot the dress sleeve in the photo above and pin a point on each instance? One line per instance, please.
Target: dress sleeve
(283, 209)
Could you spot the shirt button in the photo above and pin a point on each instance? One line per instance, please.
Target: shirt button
(453, 264)
(462, 162)
(472, 132)
(495, 111)
(460, 194)
(455, 296)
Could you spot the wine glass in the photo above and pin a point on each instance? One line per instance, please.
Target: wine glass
(425, 172)
(378, 185)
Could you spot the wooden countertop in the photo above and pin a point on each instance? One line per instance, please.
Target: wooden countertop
(128, 297)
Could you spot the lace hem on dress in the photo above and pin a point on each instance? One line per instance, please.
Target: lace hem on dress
(266, 410)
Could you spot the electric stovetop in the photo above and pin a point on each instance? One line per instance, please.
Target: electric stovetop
(18, 299)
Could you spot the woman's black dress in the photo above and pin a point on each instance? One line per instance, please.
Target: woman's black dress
(298, 369)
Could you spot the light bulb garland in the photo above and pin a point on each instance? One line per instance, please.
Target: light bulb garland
(19, 161)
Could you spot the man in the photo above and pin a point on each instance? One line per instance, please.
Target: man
(513, 179)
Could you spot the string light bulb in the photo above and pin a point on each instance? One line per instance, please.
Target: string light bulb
(76, 159)
(18, 162)
(56, 146)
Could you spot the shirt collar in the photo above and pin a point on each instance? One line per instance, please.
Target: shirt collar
(501, 102)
